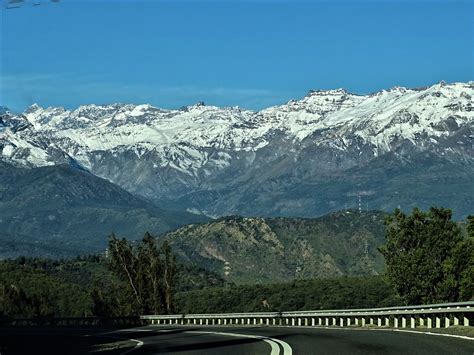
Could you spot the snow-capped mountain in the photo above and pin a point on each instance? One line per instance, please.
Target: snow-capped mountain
(302, 158)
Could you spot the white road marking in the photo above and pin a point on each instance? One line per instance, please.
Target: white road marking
(382, 330)
(271, 341)
(275, 349)
(137, 346)
(431, 333)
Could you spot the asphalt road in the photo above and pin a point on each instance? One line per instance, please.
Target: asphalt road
(228, 341)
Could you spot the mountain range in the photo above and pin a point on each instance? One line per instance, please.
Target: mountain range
(398, 147)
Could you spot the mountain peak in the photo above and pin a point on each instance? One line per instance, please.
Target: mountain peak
(320, 92)
(33, 107)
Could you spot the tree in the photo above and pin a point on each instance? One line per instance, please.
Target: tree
(427, 258)
(169, 271)
(151, 275)
(149, 272)
(124, 262)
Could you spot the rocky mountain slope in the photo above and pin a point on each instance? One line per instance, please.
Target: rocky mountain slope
(60, 211)
(407, 147)
(280, 249)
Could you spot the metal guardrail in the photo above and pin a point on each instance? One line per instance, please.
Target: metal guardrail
(68, 321)
(434, 315)
(429, 316)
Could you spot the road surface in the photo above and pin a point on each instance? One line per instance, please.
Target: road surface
(226, 340)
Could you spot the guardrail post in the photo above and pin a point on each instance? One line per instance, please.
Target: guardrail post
(438, 322)
(429, 322)
(387, 321)
(320, 321)
(362, 321)
(447, 322)
(412, 322)
(341, 322)
(421, 321)
(404, 322)
(326, 323)
(334, 321)
(313, 321)
(466, 321)
(395, 322)
(456, 320)
(348, 322)
(356, 321)
(379, 322)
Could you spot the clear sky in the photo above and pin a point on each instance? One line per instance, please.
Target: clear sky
(247, 53)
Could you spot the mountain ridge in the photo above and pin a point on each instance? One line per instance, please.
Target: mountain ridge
(210, 160)
(63, 211)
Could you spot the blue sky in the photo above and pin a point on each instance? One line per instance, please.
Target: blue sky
(252, 54)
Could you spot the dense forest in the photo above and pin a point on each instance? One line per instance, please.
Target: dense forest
(45, 287)
(429, 259)
(338, 293)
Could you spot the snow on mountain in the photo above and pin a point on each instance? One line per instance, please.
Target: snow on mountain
(198, 149)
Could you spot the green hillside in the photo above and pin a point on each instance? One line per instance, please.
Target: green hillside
(281, 249)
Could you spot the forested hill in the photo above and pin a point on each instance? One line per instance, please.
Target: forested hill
(280, 249)
(62, 211)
